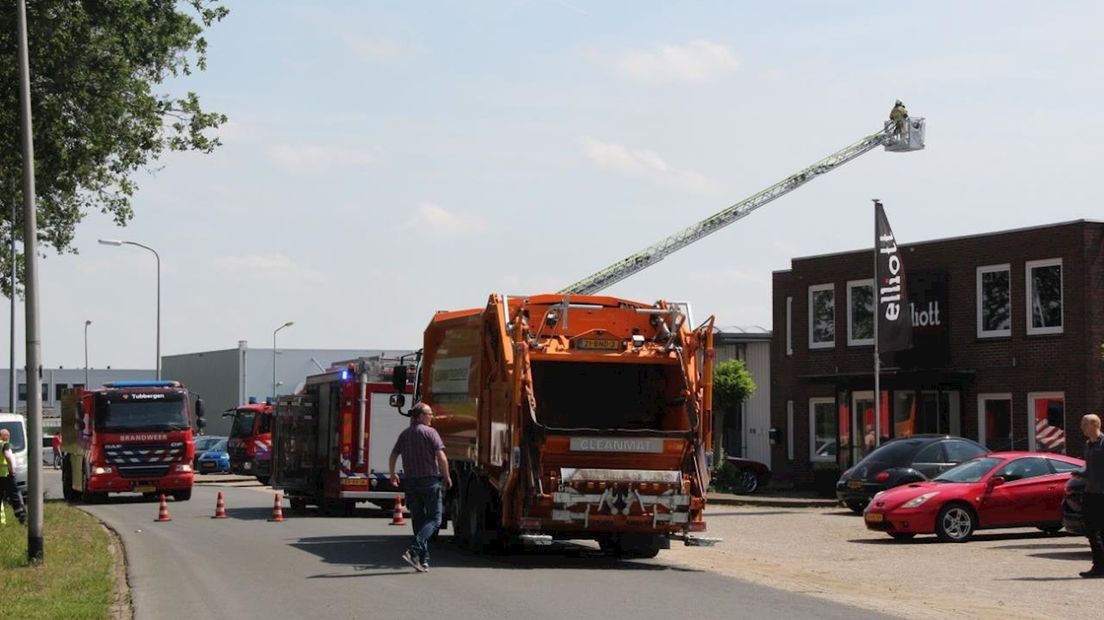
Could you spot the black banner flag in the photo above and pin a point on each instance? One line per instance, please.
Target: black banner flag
(894, 315)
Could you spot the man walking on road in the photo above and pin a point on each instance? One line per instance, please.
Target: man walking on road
(426, 469)
(1092, 502)
(8, 489)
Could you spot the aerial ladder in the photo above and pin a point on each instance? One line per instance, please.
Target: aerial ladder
(900, 136)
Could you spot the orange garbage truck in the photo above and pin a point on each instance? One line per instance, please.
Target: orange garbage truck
(572, 417)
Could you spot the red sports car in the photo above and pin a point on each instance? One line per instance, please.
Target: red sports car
(1000, 489)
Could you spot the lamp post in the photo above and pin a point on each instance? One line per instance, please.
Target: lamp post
(274, 332)
(117, 242)
(86, 324)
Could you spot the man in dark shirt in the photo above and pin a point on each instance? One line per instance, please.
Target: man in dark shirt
(427, 470)
(1092, 503)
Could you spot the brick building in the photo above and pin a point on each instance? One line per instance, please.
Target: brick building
(1007, 336)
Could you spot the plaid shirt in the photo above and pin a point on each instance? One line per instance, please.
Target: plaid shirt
(418, 446)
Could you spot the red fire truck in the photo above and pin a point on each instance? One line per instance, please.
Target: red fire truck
(331, 441)
(250, 443)
(128, 437)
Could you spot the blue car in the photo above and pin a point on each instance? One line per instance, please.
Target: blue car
(214, 460)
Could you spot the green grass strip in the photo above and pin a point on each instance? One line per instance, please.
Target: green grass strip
(77, 578)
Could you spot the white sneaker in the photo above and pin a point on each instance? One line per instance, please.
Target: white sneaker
(408, 557)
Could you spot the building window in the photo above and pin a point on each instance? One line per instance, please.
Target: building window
(23, 392)
(789, 431)
(823, 430)
(994, 301)
(995, 421)
(789, 326)
(1044, 296)
(59, 390)
(822, 316)
(1047, 416)
(860, 312)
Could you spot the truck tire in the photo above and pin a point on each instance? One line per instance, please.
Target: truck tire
(182, 496)
(87, 496)
(67, 480)
(634, 546)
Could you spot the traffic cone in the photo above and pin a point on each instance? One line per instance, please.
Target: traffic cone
(163, 512)
(277, 510)
(220, 508)
(397, 514)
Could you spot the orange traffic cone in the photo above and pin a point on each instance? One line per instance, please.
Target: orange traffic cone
(277, 510)
(397, 514)
(220, 508)
(163, 512)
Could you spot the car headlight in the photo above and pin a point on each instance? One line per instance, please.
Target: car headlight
(916, 501)
(185, 467)
(100, 470)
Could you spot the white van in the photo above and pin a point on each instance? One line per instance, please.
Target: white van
(17, 426)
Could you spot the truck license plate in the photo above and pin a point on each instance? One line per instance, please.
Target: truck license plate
(145, 488)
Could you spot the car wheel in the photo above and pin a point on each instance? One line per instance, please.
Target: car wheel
(955, 523)
(903, 535)
(856, 506)
(747, 483)
(182, 496)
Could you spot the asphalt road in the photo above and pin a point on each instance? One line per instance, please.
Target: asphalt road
(310, 566)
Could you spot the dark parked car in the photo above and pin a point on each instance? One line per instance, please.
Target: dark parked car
(1071, 505)
(901, 461)
(746, 476)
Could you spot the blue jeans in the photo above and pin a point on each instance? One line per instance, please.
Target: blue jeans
(423, 498)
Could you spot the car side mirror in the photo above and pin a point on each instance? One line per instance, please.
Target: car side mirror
(996, 481)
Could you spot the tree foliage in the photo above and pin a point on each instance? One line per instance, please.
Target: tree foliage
(732, 384)
(97, 71)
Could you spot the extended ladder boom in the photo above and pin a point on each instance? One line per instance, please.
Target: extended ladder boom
(910, 139)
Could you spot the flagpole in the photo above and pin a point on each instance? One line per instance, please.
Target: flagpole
(877, 358)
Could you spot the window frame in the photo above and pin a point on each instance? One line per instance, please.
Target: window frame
(851, 340)
(1031, 398)
(981, 398)
(993, 333)
(789, 325)
(816, 288)
(1028, 287)
(813, 402)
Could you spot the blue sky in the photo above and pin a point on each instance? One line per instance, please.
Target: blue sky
(386, 160)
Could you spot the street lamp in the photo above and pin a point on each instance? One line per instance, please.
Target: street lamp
(274, 332)
(118, 242)
(86, 324)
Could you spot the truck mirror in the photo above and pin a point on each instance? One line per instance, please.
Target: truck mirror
(201, 423)
(199, 408)
(397, 400)
(398, 378)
